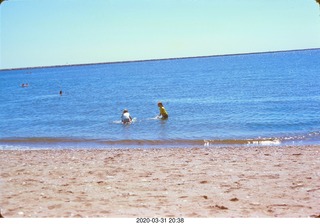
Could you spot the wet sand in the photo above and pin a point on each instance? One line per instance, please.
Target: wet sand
(277, 181)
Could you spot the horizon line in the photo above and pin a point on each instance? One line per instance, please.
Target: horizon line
(159, 59)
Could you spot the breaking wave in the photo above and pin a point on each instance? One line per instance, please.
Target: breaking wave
(309, 138)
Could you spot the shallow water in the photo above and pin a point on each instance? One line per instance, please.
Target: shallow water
(270, 98)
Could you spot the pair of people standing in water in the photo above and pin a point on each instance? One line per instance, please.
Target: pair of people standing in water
(126, 118)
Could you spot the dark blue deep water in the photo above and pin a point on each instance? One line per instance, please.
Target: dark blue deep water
(270, 98)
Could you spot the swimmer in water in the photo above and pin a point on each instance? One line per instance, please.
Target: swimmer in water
(163, 113)
(125, 117)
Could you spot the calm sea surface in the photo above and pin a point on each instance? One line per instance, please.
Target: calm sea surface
(271, 98)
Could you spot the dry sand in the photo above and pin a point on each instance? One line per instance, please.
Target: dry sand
(273, 181)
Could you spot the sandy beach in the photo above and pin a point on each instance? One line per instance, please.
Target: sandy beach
(277, 181)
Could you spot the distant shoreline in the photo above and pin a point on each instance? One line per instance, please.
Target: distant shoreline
(160, 59)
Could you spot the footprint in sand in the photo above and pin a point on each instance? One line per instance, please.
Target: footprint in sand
(51, 207)
(203, 182)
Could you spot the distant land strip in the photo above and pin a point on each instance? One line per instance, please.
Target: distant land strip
(160, 59)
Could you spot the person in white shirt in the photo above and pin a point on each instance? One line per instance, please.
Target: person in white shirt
(126, 118)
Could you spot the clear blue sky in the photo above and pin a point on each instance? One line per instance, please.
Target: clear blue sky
(60, 32)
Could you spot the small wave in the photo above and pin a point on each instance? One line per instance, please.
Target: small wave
(87, 142)
(242, 142)
(134, 142)
(265, 142)
(44, 140)
(120, 122)
(154, 118)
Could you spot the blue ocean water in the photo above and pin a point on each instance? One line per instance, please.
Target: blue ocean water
(267, 98)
